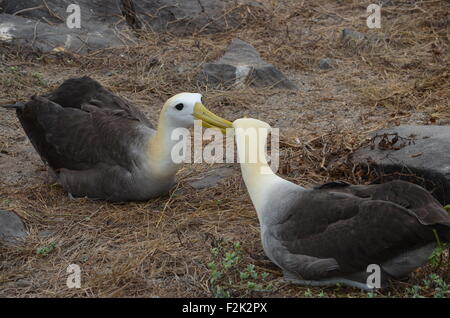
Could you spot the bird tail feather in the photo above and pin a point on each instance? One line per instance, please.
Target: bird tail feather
(18, 105)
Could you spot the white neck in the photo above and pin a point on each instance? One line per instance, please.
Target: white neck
(259, 178)
(160, 150)
(259, 184)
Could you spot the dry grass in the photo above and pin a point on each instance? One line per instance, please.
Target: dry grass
(162, 247)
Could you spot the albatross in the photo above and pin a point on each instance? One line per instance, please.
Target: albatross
(332, 233)
(99, 145)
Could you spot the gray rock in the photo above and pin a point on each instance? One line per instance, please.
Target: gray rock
(106, 23)
(12, 229)
(94, 13)
(325, 64)
(348, 35)
(45, 234)
(23, 283)
(32, 30)
(241, 64)
(213, 178)
(420, 154)
(357, 39)
(184, 17)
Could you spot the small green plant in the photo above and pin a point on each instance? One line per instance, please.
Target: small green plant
(228, 276)
(438, 255)
(322, 294)
(40, 80)
(447, 207)
(230, 260)
(310, 294)
(441, 289)
(433, 285)
(215, 274)
(45, 250)
(6, 202)
(414, 292)
(215, 251)
(222, 293)
(371, 294)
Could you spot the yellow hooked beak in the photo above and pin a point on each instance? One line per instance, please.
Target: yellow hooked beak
(209, 119)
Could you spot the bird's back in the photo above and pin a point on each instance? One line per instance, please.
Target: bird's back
(87, 94)
(361, 225)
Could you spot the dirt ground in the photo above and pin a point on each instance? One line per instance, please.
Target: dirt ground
(173, 246)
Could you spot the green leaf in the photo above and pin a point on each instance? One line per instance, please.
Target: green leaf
(251, 285)
(447, 207)
(215, 251)
(243, 275)
(222, 293)
(212, 266)
(44, 250)
(227, 265)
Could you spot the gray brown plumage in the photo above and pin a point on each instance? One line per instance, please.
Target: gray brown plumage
(332, 233)
(99, 145)
(337, 230)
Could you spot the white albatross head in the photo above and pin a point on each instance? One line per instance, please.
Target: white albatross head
(178, 112)
(181, 110)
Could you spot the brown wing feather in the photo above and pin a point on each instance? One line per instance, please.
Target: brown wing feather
(406, 194)
(361, 225)
(82, 124)
(85, 91)
(78, 140)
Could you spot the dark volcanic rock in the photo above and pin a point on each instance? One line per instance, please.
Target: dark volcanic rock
(94, 13)
(41, 24)
(361, 40)
(44, 37)
(213, 178)
(351, 35)
(12, 229)
(242, 64)
(188, 16)
(325, 64)
(420, 154)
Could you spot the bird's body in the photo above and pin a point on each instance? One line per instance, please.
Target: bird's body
(332, 233)
(99, 145)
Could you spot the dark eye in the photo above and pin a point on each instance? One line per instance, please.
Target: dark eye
(179, 106)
